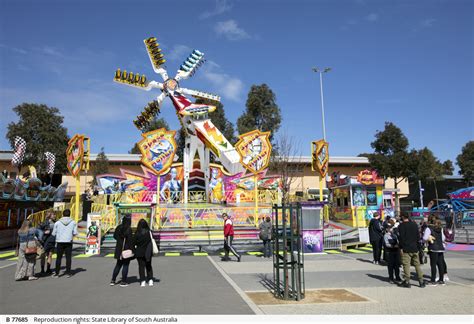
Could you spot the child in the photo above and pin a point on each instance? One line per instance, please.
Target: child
(393, 257)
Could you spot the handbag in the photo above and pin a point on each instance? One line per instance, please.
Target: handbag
(153, 243)
(31, 250)
(126, 254)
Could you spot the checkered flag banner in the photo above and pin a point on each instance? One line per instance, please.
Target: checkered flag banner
(50, 162)
(19, 151)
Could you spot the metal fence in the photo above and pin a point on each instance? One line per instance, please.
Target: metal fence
(332, 239)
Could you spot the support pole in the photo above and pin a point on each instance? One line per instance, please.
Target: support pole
(256, 200)
(421, 193)
(320, 188)
(157, 213)
(78, 188)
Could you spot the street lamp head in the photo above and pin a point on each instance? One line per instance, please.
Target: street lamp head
(318, 70)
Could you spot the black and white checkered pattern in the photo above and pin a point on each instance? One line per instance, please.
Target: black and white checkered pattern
(50, 162)
(19, 151)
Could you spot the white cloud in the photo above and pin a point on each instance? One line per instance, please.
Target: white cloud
(225, 85)
(49, 50)
(373, 17)
(178, 52)
(221, 7)
(230, 30)
(14, 49)
(427, 23)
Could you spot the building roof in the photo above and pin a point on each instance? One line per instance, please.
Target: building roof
(7, 156)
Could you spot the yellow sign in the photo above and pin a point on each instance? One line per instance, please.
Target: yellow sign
(75, 154)
(255, 149)
(158, 148)
(320, 157)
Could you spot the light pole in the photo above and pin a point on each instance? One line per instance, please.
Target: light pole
(321, 71)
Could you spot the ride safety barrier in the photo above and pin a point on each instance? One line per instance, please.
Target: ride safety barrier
(200, 217)
(264, 197)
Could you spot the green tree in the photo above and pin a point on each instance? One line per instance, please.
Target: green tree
(425, 167)
(391, 157)
(42, 129)
(262, 112)
(448, 167)
(219, 120)
(156, 123)
(101, 166)
(465, 161)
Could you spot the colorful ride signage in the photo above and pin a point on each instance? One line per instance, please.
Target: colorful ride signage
(255, 149)
(158, 148)
(367, 177)
(320, 157)
(75, 154)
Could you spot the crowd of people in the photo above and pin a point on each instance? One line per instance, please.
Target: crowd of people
(57, 236)
(404, 244)
(42, 241)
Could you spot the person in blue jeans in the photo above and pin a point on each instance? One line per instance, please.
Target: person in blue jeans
(124, 239)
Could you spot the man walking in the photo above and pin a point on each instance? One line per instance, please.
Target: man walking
(376, 237)
(408, 242)
(228, 238)
(64, 230)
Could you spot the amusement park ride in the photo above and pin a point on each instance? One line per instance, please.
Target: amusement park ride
(201, 134)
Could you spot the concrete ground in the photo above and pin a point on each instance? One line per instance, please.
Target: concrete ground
(203, 284)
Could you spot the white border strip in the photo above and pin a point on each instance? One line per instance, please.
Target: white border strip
(242, 294)
(8, 265)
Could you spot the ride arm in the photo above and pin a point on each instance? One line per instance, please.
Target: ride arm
(200, 94)
(136, 80)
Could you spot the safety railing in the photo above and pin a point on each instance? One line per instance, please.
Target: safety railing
(269, 197)
(39, 217)
(208, 217)
(108, 217)
(332, 239)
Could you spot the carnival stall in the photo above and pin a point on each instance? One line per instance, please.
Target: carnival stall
(356, 199)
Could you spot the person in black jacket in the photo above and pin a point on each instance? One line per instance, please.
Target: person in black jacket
(376, 237)
(124, 238)
(408, 241)
(393, 253)
(144, 252)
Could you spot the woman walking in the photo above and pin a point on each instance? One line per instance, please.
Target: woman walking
(435, 237)
(26, 250)
(124, 238)
(144, 252)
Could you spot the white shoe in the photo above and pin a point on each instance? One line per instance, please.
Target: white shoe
(143, 284)
(446, 277)
(150, 282)
(437, 279)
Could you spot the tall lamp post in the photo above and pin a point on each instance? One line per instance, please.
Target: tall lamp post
(321, 71)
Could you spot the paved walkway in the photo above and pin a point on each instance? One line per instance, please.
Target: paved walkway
(203, 284)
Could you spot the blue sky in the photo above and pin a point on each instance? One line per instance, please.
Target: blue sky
(409, 62)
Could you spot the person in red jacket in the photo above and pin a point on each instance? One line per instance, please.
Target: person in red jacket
(228, 238)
